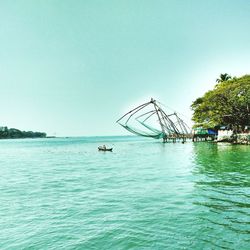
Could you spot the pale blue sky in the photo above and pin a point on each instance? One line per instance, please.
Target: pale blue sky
(74, 67)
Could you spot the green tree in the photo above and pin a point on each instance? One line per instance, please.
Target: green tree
(227, 104)
(223, 78)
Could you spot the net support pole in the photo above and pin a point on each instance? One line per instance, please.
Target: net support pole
(162, 126)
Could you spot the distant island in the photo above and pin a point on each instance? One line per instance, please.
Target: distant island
(13, 133)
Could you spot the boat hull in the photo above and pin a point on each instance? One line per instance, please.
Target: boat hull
(105, 149)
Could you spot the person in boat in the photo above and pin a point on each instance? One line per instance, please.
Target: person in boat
(104, 147)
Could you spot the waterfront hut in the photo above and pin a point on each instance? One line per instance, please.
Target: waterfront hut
(200, 134)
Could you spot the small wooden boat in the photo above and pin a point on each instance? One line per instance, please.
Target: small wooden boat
(100, 148)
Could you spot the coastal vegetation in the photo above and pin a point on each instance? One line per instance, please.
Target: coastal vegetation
(228, 104)
(13, 133)
(223, 77)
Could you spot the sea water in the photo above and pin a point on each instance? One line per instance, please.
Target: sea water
(63, 194)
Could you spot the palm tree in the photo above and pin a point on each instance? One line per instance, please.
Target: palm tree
(223, 78)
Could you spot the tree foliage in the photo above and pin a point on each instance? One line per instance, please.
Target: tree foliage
(223, 77)
(14, 133)
(227, 104)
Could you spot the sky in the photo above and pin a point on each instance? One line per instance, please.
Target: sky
(72, 68)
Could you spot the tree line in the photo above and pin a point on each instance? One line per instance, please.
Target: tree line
(14, 133)
(228, 104)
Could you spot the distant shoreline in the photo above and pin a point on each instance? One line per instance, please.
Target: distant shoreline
(13, 133)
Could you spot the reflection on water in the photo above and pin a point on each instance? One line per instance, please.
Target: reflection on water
(222, 188)
(64, 194)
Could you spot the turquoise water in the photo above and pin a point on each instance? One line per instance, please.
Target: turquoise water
(64, 194)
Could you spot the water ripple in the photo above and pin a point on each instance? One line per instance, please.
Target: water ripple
(64, 194)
